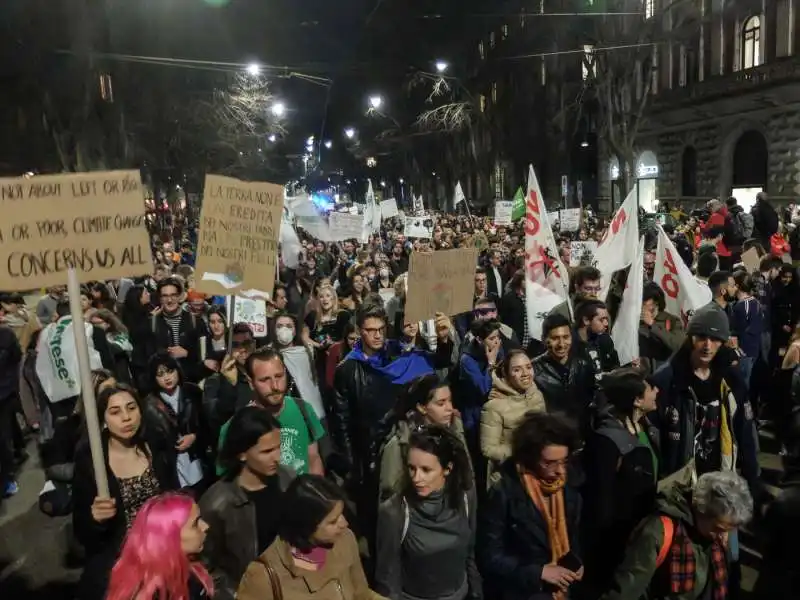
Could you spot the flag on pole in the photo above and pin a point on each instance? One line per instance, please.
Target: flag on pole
(372, 216)
(546, 277)
(682, 292)
(459, 196)
(518, 209)
(617, 250)
(625, 331)
(290, 243)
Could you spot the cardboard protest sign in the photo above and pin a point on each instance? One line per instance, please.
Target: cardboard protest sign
(440, 282)
(553, 218)
(250, 311)
(93, 222)
(569, 219)
(581, 253)
(751, 261)
(419, 227)
(388, 208)
(503, 210)
(344, 226)
(237, 249)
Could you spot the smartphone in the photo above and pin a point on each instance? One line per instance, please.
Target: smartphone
(570, 562)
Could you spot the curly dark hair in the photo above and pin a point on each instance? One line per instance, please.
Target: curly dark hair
(536, 432)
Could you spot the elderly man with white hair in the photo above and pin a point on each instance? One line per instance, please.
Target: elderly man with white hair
(681, 551)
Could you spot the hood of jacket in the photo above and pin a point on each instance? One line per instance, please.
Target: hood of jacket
(502, 389)
(676, 501)
(607, 425)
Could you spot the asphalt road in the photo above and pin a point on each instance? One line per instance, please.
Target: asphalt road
(36, 561)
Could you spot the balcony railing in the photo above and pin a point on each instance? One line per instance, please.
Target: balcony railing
(782, 70)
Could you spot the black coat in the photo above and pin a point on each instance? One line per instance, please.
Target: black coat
(362, 398)
(170, 426)
(512, 539)
(567, 388)
(191, 330)
(102, 541)
(620, 491)
(511, 310)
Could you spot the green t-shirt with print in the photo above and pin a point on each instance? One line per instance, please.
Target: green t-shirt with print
(298, 432)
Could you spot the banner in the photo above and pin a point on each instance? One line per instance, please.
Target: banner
(372, 216)
(388, 208)
(250, 311)
(440, 281)
(547, 280)
(290, 243)
(683, 293)
(419, 227)
(582, 253)
(57, 359)
(93, 222)
(569, 219)
(617, 249)
(553, 218)
(344, 226)
(503, 212)
(625, 331)
(518, 212)
(237, 245)
(418, 205)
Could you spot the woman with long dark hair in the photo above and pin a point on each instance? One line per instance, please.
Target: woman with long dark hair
(138, 466)
(119, 342)
(426, 533)
(217, 338)
(137, 317)
(159, 557)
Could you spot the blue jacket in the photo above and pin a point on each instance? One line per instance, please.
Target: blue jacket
(747, 324)
(475, 383)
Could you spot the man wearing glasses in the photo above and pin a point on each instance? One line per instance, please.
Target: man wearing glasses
(586, 286)
(485, 309)
(177, 331)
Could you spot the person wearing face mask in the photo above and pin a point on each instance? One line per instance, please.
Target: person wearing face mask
(591, 336)
(680, 550)
(513, 395)
(139, 466)
(705, 418)
(427, 401)
(384, 281)
(432, 521)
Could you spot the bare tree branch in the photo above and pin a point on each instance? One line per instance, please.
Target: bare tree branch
(454, 116)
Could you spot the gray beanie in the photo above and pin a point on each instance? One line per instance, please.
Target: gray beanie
(710, 321)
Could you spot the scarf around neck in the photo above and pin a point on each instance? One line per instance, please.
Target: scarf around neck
(398, 366)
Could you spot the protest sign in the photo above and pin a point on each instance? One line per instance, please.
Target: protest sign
(92, 222)
(388, 208)
(238, 241)
(440, 281)
(581, 253)
(344, 226)
(569, 219)
(552, 218)
(250, 311)
(751, 261)
(502, 212)
(419, 227)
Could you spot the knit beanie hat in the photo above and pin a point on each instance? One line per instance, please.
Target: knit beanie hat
(710, 321)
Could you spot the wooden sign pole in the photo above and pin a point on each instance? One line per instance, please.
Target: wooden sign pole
(87, 389)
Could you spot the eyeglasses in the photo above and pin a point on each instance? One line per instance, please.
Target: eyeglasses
(374, 331)
(170, 296)
(486, 311)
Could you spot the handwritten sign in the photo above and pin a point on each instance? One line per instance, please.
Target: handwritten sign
(503, 210)
(751, 260)
(250, 311)
(553, 217)
(570, 219)
(344, 226)
(388, 208)
(440, 282)
(419, 227)
(237, 249)
(581, 253)
(93, 222)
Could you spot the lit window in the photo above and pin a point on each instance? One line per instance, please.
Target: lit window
(751, 43)
(483, 103)
(587, 64)
(492, 39)
(494, 92)
(481, 51)
(649, 8)
(505, 31)
(499, 180)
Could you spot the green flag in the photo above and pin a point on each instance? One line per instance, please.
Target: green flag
(518, 212)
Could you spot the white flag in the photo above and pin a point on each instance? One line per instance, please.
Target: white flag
(459, 196)
(625, 331)
(546, 277)
(683, 293)
(290, 244)
(372, 216)
(617, 250)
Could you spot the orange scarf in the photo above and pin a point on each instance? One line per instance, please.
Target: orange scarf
(548, 498)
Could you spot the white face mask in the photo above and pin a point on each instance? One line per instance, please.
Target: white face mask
(384, 273)
(284, 335)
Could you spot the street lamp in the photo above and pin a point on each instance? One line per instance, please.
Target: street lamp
(383, 184)
(328, 144)
(402, 181)
(272, 138)
(350, 133)
(310, 140)
(441, 66)
(254, 69)
(375, 102)
(278, 109)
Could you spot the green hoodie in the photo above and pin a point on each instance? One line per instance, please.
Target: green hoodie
(632, 580)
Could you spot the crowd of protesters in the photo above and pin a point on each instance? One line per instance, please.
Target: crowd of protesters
(352, 454)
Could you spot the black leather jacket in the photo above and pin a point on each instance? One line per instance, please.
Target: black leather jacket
(567, 388)
(171, 425)
(363, 396)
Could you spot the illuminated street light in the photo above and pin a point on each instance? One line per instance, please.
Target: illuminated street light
(310, 140)
(375, 102)
(371, 162)
(383, 184)
(584, 144)
(350, 133)
(254, 69)
(272, 138)
(328, 144)
(402, 181)
(441, 66)
(279, 109)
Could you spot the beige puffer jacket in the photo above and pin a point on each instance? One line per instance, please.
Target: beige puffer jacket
(500, 417)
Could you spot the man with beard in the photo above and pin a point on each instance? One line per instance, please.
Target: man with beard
(592, 338)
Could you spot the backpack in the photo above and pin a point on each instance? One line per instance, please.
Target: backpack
(745, 223)
(734, 231)
(669, 534)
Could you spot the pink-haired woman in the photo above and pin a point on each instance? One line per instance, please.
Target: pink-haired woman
(158, 559)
